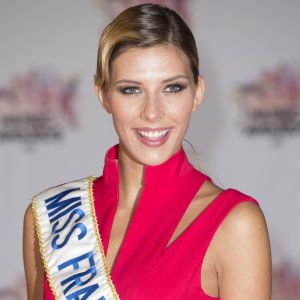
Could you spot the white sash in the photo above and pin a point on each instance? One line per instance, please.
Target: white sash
(70, 243)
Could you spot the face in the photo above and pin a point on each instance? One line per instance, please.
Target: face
(151, 97)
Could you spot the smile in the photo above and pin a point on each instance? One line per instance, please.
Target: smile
(153, 137)
(153, 134)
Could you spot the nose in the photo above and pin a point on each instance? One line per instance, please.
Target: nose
(152, 110)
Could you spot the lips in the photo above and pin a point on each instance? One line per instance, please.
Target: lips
(152, 137)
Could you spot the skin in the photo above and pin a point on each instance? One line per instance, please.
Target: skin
(153, 87)
(32, 260)
(149, 101)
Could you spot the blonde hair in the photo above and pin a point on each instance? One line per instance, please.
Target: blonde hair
(144, 26)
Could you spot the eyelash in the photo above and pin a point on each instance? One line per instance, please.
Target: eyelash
(135, 89)
(179, 87)
(125, 90)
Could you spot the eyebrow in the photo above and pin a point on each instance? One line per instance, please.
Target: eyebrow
(164, 81)
(175, 77)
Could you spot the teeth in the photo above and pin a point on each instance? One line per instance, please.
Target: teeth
(153, 134)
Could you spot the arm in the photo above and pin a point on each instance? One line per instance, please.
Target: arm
(244, 265)
(33, 265)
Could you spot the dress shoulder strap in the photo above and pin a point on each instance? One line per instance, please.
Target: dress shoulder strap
(213, 216)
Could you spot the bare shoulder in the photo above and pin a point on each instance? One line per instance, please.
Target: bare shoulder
(244, 225)
(243, 254)
(28, 225)
(245, 219)
(207, 193)
(209, 188)
(28, 216)
(31, 256)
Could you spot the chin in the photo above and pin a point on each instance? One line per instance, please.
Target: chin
(154, 161)
(155, 157)
(149, 155)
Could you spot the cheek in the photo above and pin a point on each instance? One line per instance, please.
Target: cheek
(181, 111)
(122, 114)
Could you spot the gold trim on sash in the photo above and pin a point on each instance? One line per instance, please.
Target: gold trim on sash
(95, 222)
(42, 250)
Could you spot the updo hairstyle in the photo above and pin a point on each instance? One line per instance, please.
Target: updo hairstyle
(144, 26)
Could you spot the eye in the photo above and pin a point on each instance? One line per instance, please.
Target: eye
(130, 90)
(174, 88)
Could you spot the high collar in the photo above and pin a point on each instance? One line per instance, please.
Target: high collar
(173, 168)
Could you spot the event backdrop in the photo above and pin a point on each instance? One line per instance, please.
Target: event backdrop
(247, 131)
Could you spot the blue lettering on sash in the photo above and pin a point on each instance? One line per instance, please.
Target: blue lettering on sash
(75, 212)
(77, 279)
(57, 207)
(81, 235)
(65, 214)
(86, 291)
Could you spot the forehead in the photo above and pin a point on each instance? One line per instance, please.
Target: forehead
(151, 62)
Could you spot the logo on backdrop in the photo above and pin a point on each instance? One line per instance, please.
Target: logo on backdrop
(286, 281)
(37, 105)
(14, 291)
(270, 104)
(116, 6)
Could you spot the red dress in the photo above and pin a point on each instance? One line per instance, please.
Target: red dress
(145, 267)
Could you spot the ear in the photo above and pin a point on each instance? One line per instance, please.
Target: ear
(199, 94)
(101, 95)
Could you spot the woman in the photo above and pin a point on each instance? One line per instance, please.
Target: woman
(166, 230)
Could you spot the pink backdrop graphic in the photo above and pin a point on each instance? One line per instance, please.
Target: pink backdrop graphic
(37, 106)
(286, 282)
(15, 291)
(270, 105)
